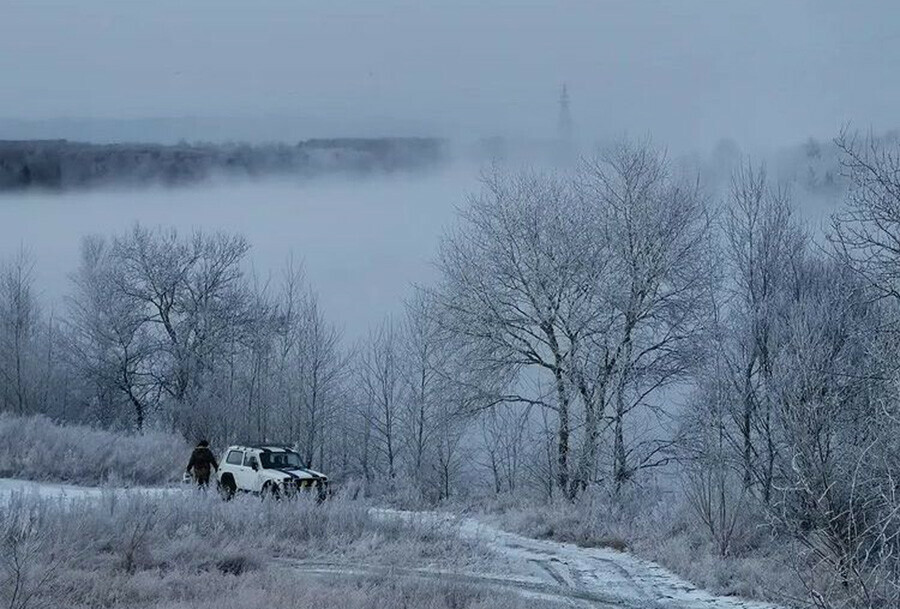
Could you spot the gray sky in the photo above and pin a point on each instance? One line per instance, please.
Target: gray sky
(689, 72)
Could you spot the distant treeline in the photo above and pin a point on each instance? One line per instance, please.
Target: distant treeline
(58, 164)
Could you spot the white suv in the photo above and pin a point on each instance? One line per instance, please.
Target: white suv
(275, 471)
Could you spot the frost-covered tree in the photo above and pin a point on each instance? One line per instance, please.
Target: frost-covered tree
(20, 335)
(764, 249)
(598, 285)
(318, 368)
(110, 346)
(382, 393)
(510, 277)
(153, 313)
(423, 354)
(652, 305)
(797, 405)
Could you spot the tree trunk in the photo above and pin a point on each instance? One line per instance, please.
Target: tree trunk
(593, 411)
(746, 424)
(562, 437)
(620, 455)
(620, 463)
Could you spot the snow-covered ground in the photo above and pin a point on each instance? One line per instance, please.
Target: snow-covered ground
(51, 490)
(542, 569)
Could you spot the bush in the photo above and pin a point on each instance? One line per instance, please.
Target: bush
(39, 449)
(760, 563)
(597, 518)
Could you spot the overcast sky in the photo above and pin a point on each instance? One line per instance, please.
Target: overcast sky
(689, 72)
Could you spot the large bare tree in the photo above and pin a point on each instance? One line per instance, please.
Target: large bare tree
(600, 283)
(653, 302)
(153, 311)
(510, 276)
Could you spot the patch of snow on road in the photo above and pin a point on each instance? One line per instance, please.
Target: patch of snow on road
(600, 574)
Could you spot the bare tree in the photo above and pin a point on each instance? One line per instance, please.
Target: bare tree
(423, 352)
(448, 454)
(256, 342)
(320, 367)
(152, 314)
(108, 343)
(764, 248)
(867, 233)
(841, 406)
(602, 284)
(192, 292)
(379, 377)
(510, 275)
(505, 432)
(711, 465)
(308, 368)
(653, 302)
(19, 328)
(831, 428)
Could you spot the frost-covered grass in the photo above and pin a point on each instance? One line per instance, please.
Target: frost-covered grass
(764, 571)
(191, 549)
(286, 590)
(36, 448)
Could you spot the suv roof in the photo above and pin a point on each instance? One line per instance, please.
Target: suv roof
(273, 448)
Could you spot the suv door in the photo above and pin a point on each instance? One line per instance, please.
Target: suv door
(249, 479)
(232, 464)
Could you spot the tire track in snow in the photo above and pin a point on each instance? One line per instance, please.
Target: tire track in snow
(531, 589)
(612, 577)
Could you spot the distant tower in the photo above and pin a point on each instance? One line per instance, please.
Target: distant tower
(564, 126)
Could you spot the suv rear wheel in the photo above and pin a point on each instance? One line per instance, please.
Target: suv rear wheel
(227, 486)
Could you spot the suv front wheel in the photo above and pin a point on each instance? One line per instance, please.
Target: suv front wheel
(270, 490)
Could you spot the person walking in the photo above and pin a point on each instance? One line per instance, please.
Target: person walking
(202, 462)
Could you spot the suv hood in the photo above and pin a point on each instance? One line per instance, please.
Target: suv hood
(299, 473)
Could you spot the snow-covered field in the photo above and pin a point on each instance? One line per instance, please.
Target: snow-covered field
(50, 490)
(537, 569)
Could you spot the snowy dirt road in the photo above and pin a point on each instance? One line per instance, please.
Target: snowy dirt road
(560, 573)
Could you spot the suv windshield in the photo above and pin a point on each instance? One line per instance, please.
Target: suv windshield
(280, 460)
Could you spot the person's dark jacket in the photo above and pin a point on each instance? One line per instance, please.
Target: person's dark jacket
(202, 460)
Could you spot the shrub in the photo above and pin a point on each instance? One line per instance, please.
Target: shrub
(39, 449)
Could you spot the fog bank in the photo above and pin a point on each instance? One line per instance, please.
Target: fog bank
(362, 242)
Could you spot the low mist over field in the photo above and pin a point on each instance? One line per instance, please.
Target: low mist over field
(362, 241)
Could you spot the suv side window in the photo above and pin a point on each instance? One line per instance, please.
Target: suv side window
(250, 459)
(234, 457)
